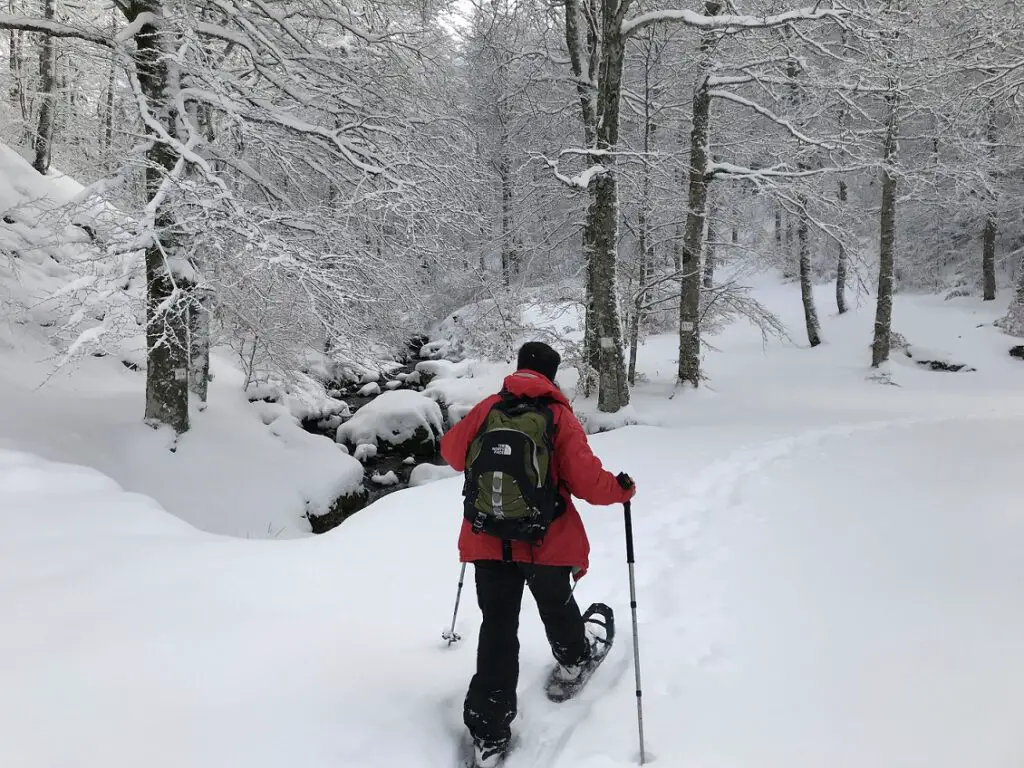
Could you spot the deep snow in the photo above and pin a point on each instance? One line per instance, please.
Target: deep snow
(828, 574)
(828, 568)
(244, 470)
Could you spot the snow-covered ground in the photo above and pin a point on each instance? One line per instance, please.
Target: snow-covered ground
(246, 470)
(829, 574)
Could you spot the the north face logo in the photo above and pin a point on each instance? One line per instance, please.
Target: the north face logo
(502, 449)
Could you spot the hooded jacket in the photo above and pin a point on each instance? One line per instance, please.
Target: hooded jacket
(575, 469)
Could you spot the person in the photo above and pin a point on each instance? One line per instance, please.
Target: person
(502, 569)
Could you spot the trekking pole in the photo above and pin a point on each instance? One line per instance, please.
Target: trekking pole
(450, 635)
(636, 641)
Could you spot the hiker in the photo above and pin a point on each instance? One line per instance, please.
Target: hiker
(504, 565)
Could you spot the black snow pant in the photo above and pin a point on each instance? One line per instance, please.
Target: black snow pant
(490, 704)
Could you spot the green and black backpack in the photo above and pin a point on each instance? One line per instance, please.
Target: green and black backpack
(509, 488)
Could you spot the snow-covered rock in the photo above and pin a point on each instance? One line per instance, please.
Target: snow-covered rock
(444, 369)
(365, 451)
(369, 390)
(387, 479)
(404, 421)
(429, 473)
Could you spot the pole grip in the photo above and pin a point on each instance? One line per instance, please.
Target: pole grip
(628, 515)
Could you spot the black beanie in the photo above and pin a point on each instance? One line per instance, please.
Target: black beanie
(538, 356)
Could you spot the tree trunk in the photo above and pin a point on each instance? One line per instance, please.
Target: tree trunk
(988, 248)
(585, 85)
(643, 224)
(697, 197)
(887, 231)
(709, 253)
(199, 343)
(841, 267)
(1019, 294)
(603, 217)
(806, 286)
(107, 140)
(639, 300)
(43, 142)
(508, 246)
(168, 274)
(988, 256)
(1013, 322)
(16, 54)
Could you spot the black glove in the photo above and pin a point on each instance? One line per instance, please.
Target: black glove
(625, 481)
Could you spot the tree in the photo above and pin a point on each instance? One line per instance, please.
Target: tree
(887, 217)
(596, 62)
(696, 209)
(302, 83)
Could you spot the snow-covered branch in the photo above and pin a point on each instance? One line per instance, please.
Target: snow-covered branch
(729, 23)
(765, 112)
(55, 29)
(581, 180)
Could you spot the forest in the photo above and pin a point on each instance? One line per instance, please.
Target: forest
(325, 180)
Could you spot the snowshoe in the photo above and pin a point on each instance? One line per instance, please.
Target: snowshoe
(489, 755)
(566, 682)
(485, 754)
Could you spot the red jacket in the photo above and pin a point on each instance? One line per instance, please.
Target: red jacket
(575, 468)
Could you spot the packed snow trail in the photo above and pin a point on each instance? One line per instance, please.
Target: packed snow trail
(856, 605)
(828, 574)
(846, 598)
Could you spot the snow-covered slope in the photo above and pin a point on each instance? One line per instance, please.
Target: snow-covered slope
(828, 575)
(244, 470)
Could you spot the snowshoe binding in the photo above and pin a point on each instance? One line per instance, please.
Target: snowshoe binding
(485, 754)
(565, 682)
(489, 755)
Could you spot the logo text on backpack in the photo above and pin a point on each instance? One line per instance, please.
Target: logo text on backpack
(502, 449)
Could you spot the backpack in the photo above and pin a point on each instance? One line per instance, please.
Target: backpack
(509, 491)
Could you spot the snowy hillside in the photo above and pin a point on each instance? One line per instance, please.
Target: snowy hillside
(828, 574)
(245, 469)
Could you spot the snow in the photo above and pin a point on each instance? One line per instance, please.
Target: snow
(387, 479)
(244, 469)
(369, 390)
(393, 418)
(726, 21)
(460, 388)
(828, 570)
(365, 451)
(430, 473)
